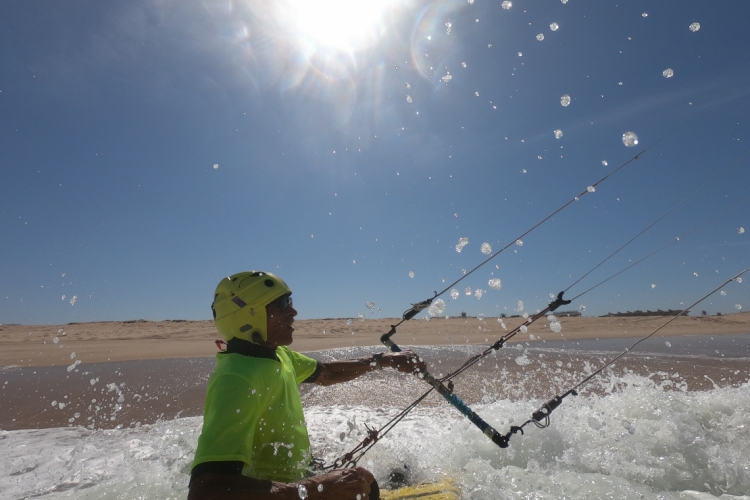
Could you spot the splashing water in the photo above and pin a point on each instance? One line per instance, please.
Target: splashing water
(558, 133)
(565, 100)
(468, 291)
(668, 73)
(302, 491)
(360, 316)
(461, 244)
(519, 307)
(694, 27)
(629, 139)
(486, 248)
(507, 4)
(555, 326)
(73, 300)
(454, 294)
(436, 308)
(370, 305)
(495, 283)
(478, 293)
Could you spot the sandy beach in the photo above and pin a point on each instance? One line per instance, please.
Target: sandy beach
(106, 375)
(53, 345)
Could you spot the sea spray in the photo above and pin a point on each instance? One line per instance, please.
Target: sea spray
(627, 435)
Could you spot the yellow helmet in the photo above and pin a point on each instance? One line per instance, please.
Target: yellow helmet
(240, 302)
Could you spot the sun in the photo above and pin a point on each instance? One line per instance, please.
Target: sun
(336, 25)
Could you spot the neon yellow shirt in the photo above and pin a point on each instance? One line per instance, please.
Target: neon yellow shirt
(253, 413)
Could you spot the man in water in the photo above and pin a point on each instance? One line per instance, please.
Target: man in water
(254, 442)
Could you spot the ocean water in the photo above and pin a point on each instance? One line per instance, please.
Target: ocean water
(661, 427)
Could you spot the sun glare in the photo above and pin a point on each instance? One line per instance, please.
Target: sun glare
(338, 24)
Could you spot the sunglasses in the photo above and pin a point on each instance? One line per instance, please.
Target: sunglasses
(283, 302)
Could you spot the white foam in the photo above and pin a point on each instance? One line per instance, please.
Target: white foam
(634, 441)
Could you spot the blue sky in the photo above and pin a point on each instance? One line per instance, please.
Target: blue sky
(113, 116)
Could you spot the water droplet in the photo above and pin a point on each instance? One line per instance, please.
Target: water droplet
(396, 66)
(478, 293)
(540, 37)
(739, 280)
(723, 293)
(436, 308)
(591, 189)
(695, 274)
(409, 99)
(72, 355)
(565, 100)
(740, 230)
(604, 163)
(507, 4)
(555, 326)
(55, 340)
(738, 307)
(349, 322)
(320, 488)
(629, 139)
(216, 165)
(645, 14)
(302, 491)
(558, 133)
(582, 308)
(370, 305)
(653, 285)
(495, 283)
(694, 27)
(411, 274)
(447, 78)
(520, 305)
(476, 94)
(522, 360)
(360, 316)
(461, 244)
(668, 343)
(467, 290)
(454, 294)
(486, 248)
(73, 300)
(564, 1)
(519, 243)
(554, 26)
(667, 73)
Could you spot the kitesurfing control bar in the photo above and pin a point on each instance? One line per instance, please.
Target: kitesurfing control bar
(448, 395)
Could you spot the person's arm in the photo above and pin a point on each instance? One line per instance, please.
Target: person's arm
(334, 372)
(335, 485)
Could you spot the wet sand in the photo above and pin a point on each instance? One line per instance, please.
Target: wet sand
(135, 392)
(107, 375)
